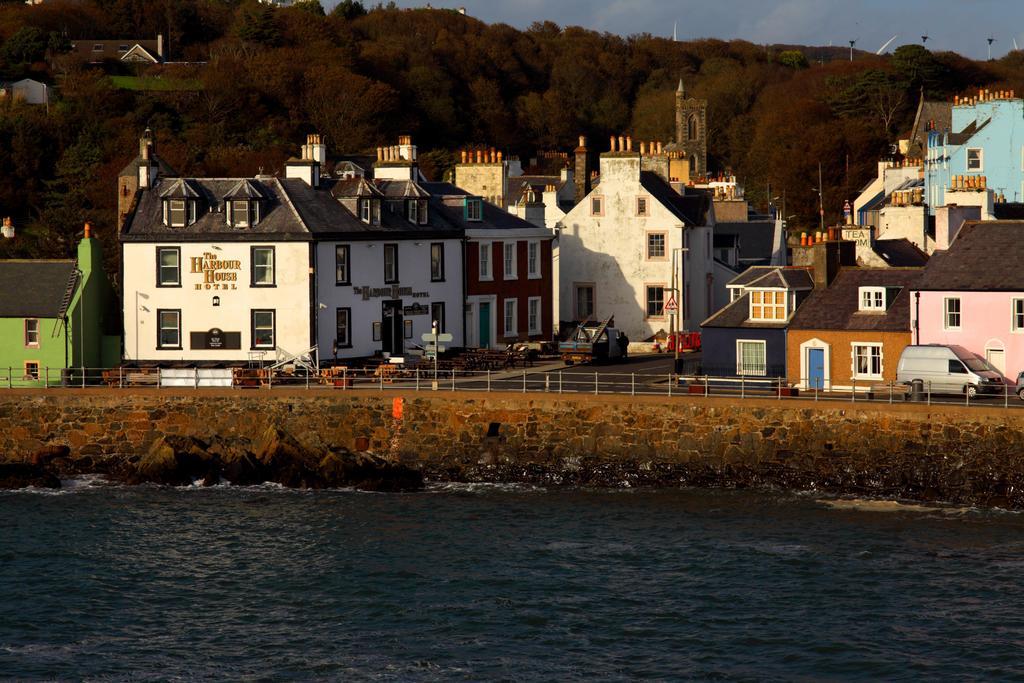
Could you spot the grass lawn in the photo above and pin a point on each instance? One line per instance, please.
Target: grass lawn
(155, 83)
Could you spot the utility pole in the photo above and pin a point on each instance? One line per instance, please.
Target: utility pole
(821, 201)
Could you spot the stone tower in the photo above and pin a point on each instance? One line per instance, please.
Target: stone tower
(692, 131)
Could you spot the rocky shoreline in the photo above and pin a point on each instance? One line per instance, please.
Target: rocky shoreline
(273, 457)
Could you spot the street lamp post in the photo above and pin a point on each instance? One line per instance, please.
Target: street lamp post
(677, 318)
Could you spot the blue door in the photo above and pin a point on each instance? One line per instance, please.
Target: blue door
(485, 324)
(816, 368)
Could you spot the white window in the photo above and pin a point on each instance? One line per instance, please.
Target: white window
(263, 329)
(364, 210)
(177, 210)
(655, 301)
(872, 298)
(168, 273)
(867, 361)
(533, 260)
(474, 210)
(263, 266)
(656, 245)
(509, 251)
(1017, 324)
(240, 214)
(767, 305)
(32, 332)
(952, 310)
(975, 159)
(168, 329)
(485, 260)
(533, 314)
(390, 263)
(750, 357)
(597, 205)
(642, 206)
(510, 317)
(584, 302)
(342, 252)
(413, 208)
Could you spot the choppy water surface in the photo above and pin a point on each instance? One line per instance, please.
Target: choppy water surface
(483, 583)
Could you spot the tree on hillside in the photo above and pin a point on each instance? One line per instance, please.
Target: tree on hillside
(349, 9)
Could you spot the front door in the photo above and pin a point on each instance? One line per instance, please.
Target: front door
(392, 336)
(997, 359)
(815, 368)
(485, 324)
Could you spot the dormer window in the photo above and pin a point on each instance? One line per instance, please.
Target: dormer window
(242, 205)
(872, 298)
(179, 213)
(768, 305)
(474, 209)
(365, 210)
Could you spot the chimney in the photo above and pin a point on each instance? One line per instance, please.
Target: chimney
(316, 148)
(825, 258)
(148, 167)
(87, 232)
(160, 47)
(611, 147)
(306, 168)
(8, 228)
(581, 176)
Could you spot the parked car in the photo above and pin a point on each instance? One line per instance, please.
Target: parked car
(948, 370)
(1020, 385)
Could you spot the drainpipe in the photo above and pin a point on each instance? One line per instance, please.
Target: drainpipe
(917, 317)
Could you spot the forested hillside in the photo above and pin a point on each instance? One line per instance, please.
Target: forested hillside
(257, 79)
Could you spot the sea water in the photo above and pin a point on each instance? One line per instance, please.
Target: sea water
(479, 583)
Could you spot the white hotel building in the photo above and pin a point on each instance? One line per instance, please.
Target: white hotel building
(224, 271)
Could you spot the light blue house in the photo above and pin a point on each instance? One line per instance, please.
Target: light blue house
(985, 143)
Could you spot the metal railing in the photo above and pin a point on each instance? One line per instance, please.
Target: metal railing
(575, 380)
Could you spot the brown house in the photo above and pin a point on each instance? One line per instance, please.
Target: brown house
(850, 334)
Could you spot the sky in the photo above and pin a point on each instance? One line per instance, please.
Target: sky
(958, 25)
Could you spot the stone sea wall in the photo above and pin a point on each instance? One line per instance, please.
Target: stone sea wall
(964, 456)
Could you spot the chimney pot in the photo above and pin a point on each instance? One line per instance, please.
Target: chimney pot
(622, 144)
(499, 156)
(629, 143)
(643, 148)
(87, 233)
(611, 143)
(583, 141)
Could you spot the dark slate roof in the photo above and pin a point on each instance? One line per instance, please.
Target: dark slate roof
(401, 189)
(756, 238)
(985, 256)
(448, 200)
(518, 185)
(112, 48)
(355, 187)
(181, 188)
(1008, 211)
(939, 113)
(736, 315)
(967, 133)
(691, 208)
(132, 169)
(790, 277)
(244, 189)
(900, 253)
(36, 288)
(836, 307)
(279, 218)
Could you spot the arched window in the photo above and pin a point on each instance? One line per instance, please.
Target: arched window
(693, 164)
(691, 127)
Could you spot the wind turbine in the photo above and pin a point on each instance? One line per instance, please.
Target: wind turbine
(1015, 43)
(887, 44)
(852, 43)
(924, 39)
(991, 39)
(674, 27)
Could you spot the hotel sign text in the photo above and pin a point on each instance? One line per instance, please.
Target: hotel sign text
(217, 273)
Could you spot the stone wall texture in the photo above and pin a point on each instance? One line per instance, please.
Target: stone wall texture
(960, 455)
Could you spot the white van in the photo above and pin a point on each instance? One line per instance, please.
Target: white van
(948, 370)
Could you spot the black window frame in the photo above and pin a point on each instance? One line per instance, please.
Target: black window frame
(159, 329)
(252, 266)
(159, 267)
(440, 247)
(396, 278)
(252, 329)
(347, 249)
(347, 344)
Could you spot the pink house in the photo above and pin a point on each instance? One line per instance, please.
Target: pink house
(972, 295)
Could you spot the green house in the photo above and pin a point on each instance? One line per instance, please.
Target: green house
(57, 317)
